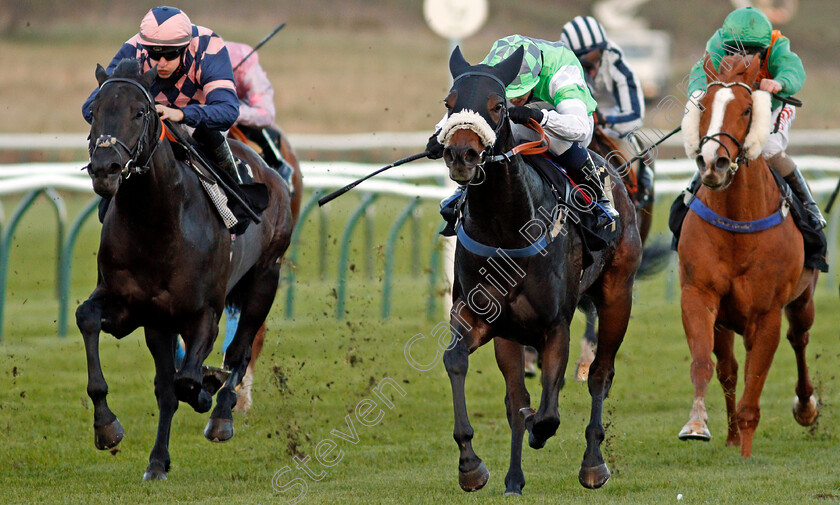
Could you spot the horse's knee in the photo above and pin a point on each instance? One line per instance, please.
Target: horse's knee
(748, 417)
(456, 361)
(88, 317)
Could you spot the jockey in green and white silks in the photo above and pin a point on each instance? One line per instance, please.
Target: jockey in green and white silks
(748, 31)
(550, 80)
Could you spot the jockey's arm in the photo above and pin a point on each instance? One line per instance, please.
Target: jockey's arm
(221, 105)
(627, 115)
(126, 51)
(569, 121)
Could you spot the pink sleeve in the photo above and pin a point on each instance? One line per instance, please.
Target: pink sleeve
(256, 96)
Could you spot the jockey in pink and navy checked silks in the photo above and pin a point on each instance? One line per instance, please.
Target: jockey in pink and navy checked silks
(202, 87)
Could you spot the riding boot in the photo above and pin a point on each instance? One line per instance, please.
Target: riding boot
(799, 187)
(449, 211)
(286, 171)
(600, 177)
(224, 159)
(644, 180)
(270, 140)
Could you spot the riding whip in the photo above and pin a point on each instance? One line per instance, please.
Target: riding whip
(262, 42)
(643, 153)
(335, 194)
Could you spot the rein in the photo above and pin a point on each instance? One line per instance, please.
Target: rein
(131, 166)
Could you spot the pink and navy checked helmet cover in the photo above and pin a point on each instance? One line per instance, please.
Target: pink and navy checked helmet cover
(165, 26)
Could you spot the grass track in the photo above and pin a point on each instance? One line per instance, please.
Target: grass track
(315, 370)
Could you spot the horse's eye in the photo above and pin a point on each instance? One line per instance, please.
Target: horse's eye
(446, 104)
(498, 107)
(139, 115)
(748, 111)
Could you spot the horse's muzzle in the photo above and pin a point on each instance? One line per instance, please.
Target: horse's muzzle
(715, 173)
(462, 162)
(106, 178)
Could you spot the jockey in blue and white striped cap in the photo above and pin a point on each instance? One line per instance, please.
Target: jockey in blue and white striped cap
(613, 83)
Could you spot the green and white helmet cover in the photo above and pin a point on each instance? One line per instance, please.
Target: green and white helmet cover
(529, 72)
(747, 27)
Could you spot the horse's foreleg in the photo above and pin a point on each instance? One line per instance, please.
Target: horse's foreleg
(699, 313)
(162, 347)
(555, 356)
(800, 315)
(199, 336)
(108, 432)
(472, 473)
(727, 372)
(511, 360)
(761, 342)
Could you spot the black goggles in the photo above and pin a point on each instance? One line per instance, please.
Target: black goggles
(165, 52)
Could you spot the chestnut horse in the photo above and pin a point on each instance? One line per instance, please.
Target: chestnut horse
(166, 262)
(739, 274)
(521, 291)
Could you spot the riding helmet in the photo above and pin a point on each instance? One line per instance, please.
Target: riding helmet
(529, 72)
(583, 34)
(165, 26)
(746, 27)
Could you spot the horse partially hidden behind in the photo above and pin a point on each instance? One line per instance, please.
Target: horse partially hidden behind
(654, 256)
(505, 194)
(734, 280)
(166, 262)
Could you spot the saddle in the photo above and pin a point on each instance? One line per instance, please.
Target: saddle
(814, 241)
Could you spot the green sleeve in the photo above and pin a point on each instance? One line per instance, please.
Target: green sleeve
(786, 67)
(714, 46)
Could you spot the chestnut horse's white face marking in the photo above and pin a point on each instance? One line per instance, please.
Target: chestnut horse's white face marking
(722, 99)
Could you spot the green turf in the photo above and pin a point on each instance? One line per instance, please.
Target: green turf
(315, 370)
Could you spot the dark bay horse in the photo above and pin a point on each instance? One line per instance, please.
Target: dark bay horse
(734, 280)
(521, 291)
(166, 262)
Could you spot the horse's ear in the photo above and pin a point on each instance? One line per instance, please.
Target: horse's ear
(508, 69)
(148, 78)
(753, 68)
(457, 63)
(101, 74)
(709, 68)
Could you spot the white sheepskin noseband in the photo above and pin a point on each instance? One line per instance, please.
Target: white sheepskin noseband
(691, 124)
(759, 126)
(467, 120)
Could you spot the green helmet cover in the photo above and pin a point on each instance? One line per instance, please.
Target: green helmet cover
(529, 72)
(747, 27)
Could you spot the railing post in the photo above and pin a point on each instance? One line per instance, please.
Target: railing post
(434, 272)
(291, 258)
(367, 199)
(390, 245)
(6, 247)
(66, 263)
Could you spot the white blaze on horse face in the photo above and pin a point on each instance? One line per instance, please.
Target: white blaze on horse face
(467, 120)
(721, 101)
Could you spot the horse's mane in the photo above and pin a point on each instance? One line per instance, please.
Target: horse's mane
(128, 68)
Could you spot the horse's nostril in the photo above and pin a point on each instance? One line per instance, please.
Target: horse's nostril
(722, 163)
(471, 156)
(701, 164)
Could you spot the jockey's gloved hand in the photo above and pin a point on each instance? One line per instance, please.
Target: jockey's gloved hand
(434, 148)
(520, 114)
(599, 118)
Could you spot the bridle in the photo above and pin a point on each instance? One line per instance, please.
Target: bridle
(132, 166)
(741, 158)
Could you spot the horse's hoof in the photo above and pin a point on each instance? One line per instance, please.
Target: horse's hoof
(154, 474)
(695, 430)
(593, 477)
(108, 436)
(805, 414)
(513, 492)
(535, 442)
(191, 392)
(541, 431)
(219, 430)
(474, 479)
